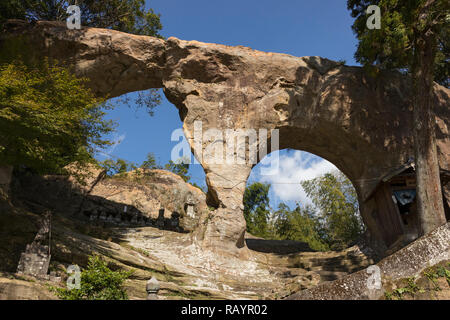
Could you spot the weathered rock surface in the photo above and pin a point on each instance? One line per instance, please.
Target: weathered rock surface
(14, 287)
(155, 194)
(150, 197)
(408, 262)
(363, 125)
(185, 270)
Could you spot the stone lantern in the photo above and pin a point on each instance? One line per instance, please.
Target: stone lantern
(152, 289)
(189, 205)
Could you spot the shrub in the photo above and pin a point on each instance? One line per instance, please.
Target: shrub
(98, 282)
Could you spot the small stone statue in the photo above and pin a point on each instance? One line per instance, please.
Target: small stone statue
(160, 220)
(152, 289)
(102, 216)
(110, 219)
(94, 215)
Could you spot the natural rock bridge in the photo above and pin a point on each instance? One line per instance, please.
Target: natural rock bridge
(363, 125)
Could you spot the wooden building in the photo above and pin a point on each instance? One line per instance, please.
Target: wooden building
(396, 205)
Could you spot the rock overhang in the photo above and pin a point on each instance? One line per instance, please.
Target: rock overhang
(361, 124)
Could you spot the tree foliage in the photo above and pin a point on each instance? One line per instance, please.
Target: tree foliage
(98, 282)
(123, 15)
(393, 46)
(338, 211)
(150, 162)
(257, 209)
(48, 118)
(117, 167)
(179, 167)
(332, 222)
(300, 224)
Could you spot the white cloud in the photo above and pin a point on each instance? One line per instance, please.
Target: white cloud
(294, 166)
(116, 141)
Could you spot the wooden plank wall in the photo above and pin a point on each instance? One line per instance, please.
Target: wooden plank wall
(388, 214)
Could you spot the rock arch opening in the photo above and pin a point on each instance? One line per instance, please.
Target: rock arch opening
(299, 196)
(361, 124)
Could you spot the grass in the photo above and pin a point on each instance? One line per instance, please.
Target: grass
(140, 250)
(23, 278)
(433, 274)
(411, 288)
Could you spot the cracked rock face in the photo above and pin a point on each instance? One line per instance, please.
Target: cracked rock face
(362, 125)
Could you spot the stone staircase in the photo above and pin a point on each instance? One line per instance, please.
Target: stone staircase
(329, 265)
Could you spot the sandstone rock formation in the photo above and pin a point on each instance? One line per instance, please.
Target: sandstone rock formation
(137, 198)
(184, 270)
(158, 194)
(363, 125)
(24, 288)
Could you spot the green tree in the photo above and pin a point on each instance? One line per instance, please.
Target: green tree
(257, 209)
(117, 167)
(179, 167)
(332, 223)
(123, 15)
(12, 9)
(300, 224)
(414, 37)
(98, 282)
(335, 198)
(48, 118)
(150, 162)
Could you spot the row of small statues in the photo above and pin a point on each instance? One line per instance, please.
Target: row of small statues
(135, 219)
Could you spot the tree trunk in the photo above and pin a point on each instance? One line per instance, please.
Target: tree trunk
(429, 195)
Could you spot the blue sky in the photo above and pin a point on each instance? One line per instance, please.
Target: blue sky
(300, 28)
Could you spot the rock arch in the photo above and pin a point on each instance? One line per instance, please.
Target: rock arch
(361, 124)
